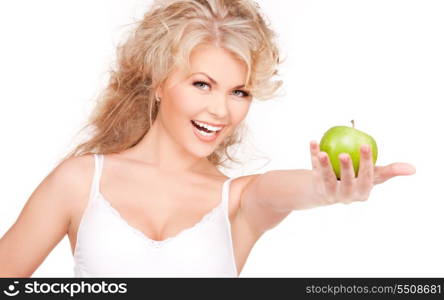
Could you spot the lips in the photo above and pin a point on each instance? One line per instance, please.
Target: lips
(211, 124)
(200, 134)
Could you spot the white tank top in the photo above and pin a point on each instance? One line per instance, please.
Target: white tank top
(107, 246)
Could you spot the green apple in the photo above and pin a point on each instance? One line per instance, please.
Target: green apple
(344, 139)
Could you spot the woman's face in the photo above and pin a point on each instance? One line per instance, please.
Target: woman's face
(213, 93)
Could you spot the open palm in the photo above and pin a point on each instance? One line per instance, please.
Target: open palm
(351, 188)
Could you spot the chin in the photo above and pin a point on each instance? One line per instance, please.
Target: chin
(201, 150)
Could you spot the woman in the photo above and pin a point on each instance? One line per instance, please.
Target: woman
(144, 195)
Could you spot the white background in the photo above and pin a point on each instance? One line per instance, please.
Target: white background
(378, 62)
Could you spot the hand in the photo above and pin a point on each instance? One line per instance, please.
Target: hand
(349, 188)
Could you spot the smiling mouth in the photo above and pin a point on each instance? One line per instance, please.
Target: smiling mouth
(206, 134)
(200, 128)
(203, 129)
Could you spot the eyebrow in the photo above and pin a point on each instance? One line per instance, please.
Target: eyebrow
(215, 82)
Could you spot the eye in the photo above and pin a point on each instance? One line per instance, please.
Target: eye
(200, 83)
(244, 94)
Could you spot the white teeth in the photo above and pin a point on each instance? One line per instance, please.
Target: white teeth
(206, 133)
(209, 127)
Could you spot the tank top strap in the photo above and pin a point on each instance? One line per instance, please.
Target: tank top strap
(226, 193)
(95, 186)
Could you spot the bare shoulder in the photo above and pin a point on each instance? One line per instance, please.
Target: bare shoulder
(74, 168)
(76, 175)
(252, 212)
(238, 187)
(67, 184)
(69, 180)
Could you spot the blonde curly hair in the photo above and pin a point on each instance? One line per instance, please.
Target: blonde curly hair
(164, 40)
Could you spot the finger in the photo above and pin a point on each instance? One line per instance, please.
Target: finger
(327, 174)
(314, 151)
(347, 176)
(316, 164)
(364, 182)
(383, 173)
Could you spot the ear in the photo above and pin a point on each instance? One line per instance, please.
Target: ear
(159, 90)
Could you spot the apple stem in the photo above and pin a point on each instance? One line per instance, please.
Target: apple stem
(353, 123)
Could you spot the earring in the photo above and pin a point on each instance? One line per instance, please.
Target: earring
(157, 98)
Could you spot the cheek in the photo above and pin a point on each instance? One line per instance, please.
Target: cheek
(239, 111)
(183, 102)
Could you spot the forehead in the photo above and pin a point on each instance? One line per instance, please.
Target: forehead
(220, 64)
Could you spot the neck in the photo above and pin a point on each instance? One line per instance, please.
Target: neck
(159, 149)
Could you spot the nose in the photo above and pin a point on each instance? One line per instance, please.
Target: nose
(218, 106)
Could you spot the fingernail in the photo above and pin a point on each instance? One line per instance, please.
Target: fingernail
(366, 148)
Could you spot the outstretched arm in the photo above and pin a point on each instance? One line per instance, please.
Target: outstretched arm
(271, 196)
